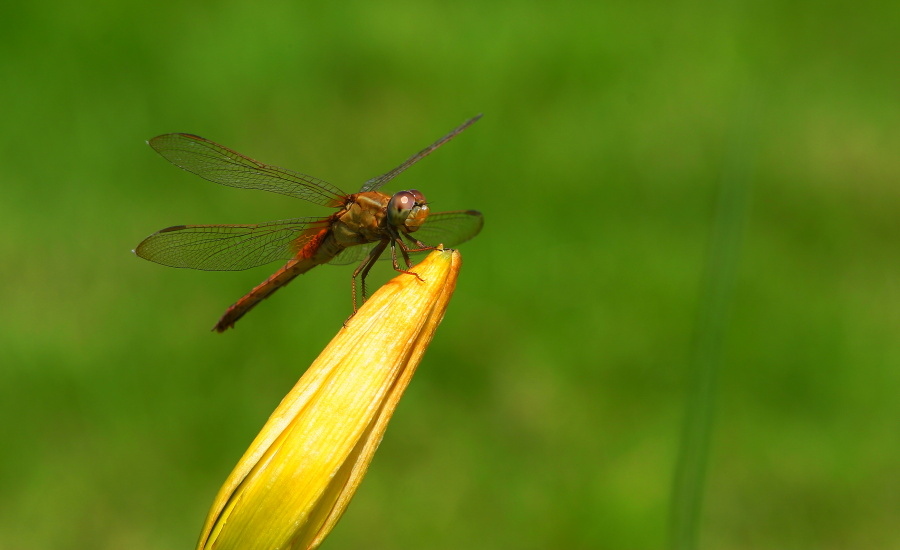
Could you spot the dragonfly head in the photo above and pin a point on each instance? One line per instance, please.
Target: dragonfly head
(407, 210)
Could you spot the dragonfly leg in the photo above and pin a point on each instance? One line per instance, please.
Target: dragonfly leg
(403, 251)
(418, 246)
(363, 270)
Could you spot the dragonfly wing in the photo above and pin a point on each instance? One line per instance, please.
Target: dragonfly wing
(219, 164)
(228, 247)
(376, 183)
(355, 254)
(450, 228)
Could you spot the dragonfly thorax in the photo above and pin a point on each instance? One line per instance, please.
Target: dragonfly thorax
(407, 210)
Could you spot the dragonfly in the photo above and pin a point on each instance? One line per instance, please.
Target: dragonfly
(361, 228)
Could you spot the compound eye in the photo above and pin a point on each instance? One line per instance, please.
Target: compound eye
(402, 204)
(420, 198)
(402, 201)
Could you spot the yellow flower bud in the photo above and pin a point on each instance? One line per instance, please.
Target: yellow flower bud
(296, 479)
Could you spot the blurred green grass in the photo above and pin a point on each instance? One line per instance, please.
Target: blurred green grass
(547, 412)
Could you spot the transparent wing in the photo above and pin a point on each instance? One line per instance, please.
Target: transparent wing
(228, 247)
(376, 183)
(219, 164)
(450, 228)
(355, 254)
(447, 228)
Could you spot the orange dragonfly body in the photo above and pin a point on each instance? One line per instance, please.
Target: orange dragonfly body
(364, 226)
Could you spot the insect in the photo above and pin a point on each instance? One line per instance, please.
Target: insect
(364, 225)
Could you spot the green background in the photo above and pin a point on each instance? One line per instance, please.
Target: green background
(548, 411)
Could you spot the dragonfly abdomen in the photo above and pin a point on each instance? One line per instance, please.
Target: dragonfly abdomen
(318, 250)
